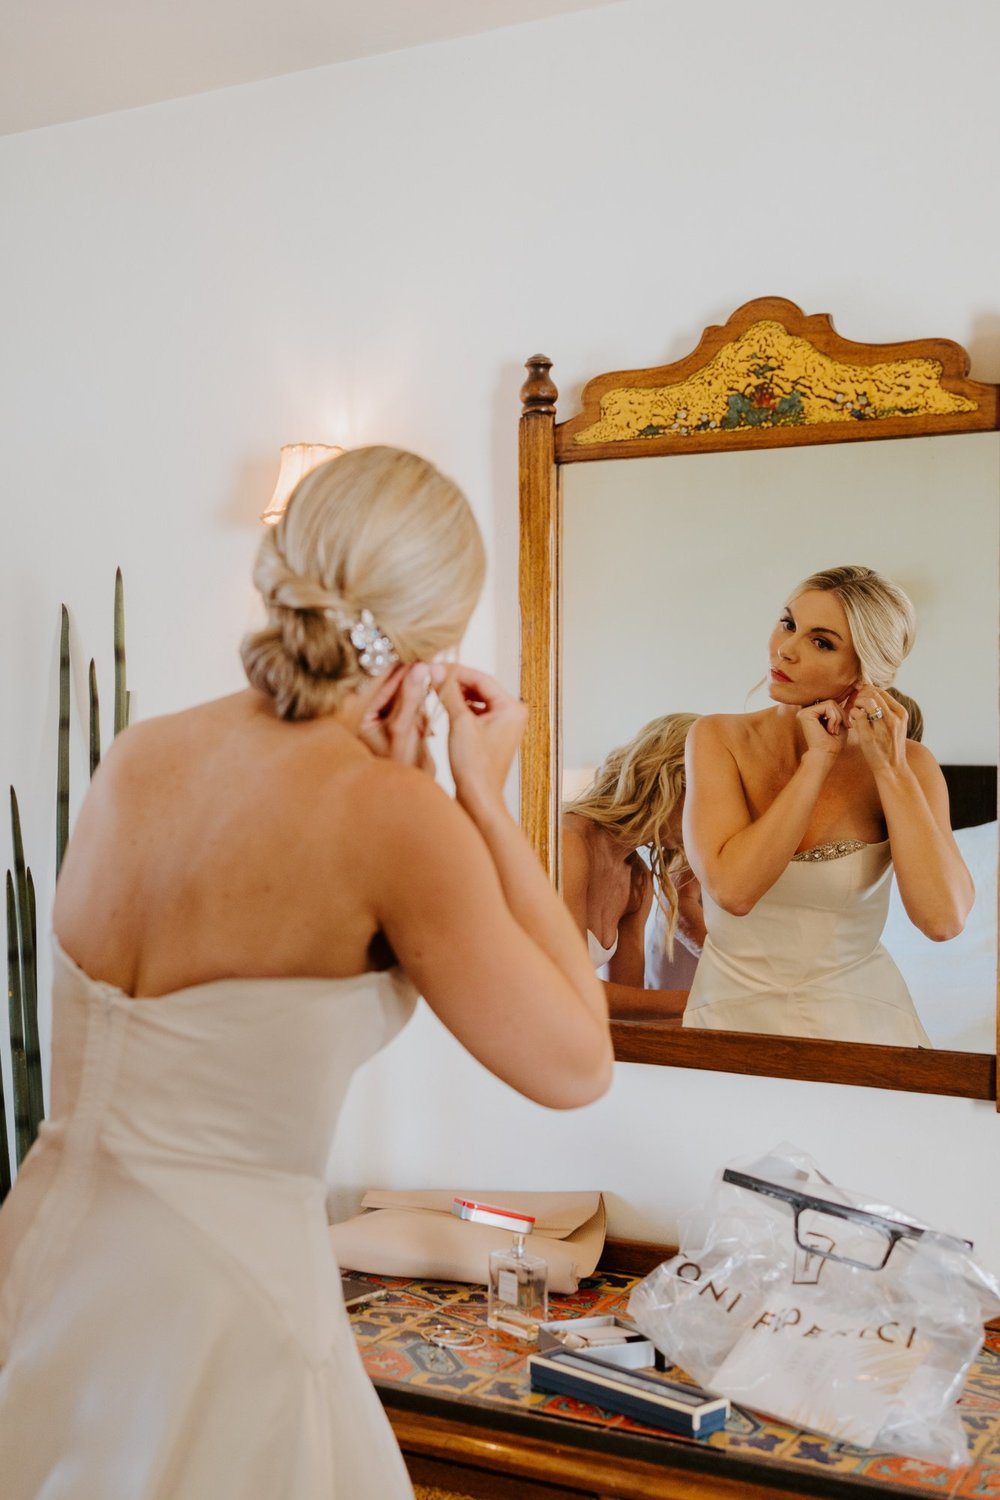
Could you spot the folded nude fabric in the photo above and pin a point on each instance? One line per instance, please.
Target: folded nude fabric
(415, 1233)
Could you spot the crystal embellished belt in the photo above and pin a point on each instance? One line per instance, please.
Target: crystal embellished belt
(836, 849)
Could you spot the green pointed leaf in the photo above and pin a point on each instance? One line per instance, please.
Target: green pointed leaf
(29, 1005)
(95, 721)
(11, 967)
(121, 708)
(18, 1067)
(62, 773)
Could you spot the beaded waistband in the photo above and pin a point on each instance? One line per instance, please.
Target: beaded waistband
(835, 849)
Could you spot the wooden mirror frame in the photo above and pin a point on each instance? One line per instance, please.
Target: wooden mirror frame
(817, 388)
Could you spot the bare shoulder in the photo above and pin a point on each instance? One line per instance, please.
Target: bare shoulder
(919, 758)
(129, 759)
(924, 765)
(575, 866)
(575, 834)
(168, 734)
(730, 730)
(707, 732)
(400, 806)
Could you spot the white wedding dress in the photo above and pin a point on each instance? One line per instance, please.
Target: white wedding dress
(599, 955)
(171, 1320)
(807, 960)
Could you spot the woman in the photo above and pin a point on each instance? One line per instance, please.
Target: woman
(634, 802)
(255, 892)
(798, 814)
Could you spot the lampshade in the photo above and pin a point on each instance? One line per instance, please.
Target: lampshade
(296, 460)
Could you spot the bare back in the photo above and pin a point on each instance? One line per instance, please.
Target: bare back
(222, 842)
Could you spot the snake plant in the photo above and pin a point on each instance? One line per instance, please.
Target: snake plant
(121, 691)
(62, 758)
(95, 720)
(22, 993)
(22, 923)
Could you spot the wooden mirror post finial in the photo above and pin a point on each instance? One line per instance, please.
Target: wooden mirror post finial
(538, 393)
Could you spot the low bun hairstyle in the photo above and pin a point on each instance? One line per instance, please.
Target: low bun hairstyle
(882, 620)
(374, 529)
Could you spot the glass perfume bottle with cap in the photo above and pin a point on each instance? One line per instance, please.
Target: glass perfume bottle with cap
(518, 1282)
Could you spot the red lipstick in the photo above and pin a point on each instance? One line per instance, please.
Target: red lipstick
(777, 676)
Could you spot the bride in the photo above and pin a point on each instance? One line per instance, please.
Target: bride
(796, 817)
(254, 894)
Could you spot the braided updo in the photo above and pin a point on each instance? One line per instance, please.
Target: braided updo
(375, 529)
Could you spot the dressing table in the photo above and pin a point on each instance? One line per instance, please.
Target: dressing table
(470, 1426)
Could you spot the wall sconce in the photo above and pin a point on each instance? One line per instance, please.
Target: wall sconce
(297, 459)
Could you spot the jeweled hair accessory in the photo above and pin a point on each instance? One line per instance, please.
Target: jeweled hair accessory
(376, 653)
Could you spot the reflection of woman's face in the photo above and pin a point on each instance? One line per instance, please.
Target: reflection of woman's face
(811, 652)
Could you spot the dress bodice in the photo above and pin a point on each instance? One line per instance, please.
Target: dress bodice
(818, 918)
(246, 1071)
(807, 959)
(171, 1322)
(220, 1100)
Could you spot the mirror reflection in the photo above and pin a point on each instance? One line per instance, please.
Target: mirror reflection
(623, 859)
(675, 577)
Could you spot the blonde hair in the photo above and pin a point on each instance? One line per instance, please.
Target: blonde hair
(634, 792)
(880, 616)
(914, 715)
(375, 529)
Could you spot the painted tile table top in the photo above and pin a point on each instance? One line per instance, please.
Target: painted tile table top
(426, 1346)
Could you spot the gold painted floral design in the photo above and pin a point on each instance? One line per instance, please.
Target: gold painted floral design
(767, 377)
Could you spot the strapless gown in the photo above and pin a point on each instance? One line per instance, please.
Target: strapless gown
(171, 1318)
(807, 961)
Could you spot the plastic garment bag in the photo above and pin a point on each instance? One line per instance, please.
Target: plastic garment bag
(800, 1299)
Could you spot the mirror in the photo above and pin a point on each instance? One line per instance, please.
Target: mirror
(724, 537)
(759, 469)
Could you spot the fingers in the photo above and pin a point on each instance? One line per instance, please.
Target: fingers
(408, 703)
(879, 722)
(470, 688)
(388, 687)
(828, 714)
(395, 722)
(450, 694)
(872, 705)
(406, 722)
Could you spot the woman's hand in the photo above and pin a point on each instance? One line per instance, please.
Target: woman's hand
(487, 723)
(879, 720)
(395, 725)
(825, 725)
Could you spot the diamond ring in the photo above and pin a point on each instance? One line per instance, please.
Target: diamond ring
(876, 715)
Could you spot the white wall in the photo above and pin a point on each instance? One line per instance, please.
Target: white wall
(369, 252)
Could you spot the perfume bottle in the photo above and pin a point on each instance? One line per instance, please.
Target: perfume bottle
(518, 1283)
(519, 1291)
